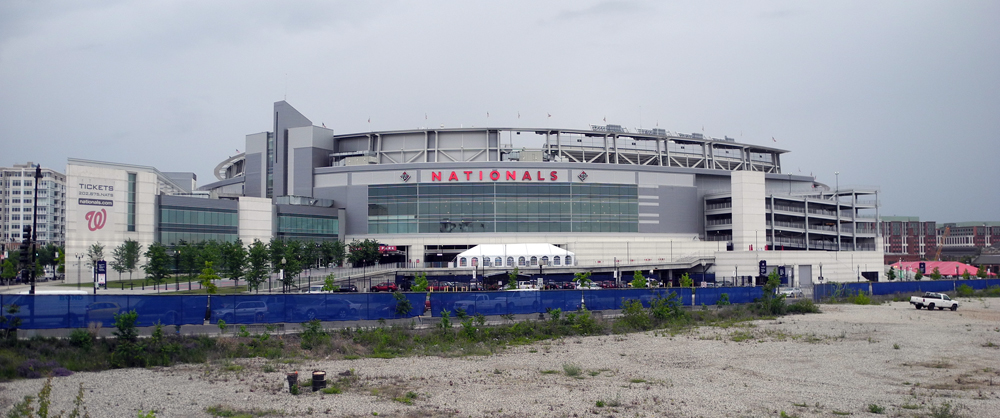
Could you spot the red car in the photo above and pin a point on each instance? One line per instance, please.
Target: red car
(385, 287)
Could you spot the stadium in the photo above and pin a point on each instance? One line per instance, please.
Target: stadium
(648, 200)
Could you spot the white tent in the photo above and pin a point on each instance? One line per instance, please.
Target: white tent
(514, 255)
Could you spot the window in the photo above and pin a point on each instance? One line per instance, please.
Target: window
(534, 261)
(545, 260)
(475, 261)
(569, 260)
(499, 262)
(130, 219)
(486, 261)
(461, 262)
(520, 261)
(555, 260)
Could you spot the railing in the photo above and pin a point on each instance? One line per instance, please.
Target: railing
(719, 238)
(715, 206)
(719, 222)
(797, 225)
(785, 208)
(823, 212)
(825, 228)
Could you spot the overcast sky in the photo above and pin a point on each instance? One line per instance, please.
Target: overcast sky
(902, 95)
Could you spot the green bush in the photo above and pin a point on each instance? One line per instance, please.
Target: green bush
(82, 338)
(860, 298)
(802, 306)
(635, 316)
(313, 335)
(965, 290)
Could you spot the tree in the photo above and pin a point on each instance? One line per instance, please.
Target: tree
(293, 263)
(234, 257)
(981, 273)
(339, 253)
(420, 283)
(257, 268)
(61, 261)
(328, 283)
(207, 278)
(686, 281)
(936, 274)
(133, 253)
(966, 275)
(892, 274)
(187, 258)
(310, 254)
(583, 281)
(8, 271)
(332, 252)
(276, 252)
(209, 252)
(157, 265)
(95, 253)
(118, 260)
(917, 275)
(638, 280)
(512, 279)
(363, 253)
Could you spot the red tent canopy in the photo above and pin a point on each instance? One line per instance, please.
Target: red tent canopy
(946, 268)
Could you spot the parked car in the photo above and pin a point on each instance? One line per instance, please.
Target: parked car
(790, 292)
(102, 312)
(385, 287)
(249, 311)
(933, 300)
(347, 288)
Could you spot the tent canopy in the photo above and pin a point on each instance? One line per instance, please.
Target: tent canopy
(946, 268)
(488, 253)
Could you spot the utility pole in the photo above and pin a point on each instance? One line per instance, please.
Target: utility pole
(34, 228)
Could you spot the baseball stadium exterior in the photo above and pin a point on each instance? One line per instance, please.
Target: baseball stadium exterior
(647, 200)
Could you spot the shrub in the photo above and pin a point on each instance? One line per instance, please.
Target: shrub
(965, 290)
(571, 369)
(403, 305)
(82, 338)
(861, 298)
(313, 335)
(875, 409)
(635, 316)
(723, 300)
(802, 306)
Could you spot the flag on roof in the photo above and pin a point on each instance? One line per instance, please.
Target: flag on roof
(550, 115)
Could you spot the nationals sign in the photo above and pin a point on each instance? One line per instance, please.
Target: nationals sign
(96, 219)
(494, 175)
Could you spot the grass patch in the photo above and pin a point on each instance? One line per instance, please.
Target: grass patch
(876, 409)
(230, 412)
(637, 381)
(549, 372)
(571, 369)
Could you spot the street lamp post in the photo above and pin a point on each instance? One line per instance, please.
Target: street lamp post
(79, 266)
(282, 276)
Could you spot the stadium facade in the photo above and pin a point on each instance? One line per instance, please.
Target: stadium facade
(645, 200)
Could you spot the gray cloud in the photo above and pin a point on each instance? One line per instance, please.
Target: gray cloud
(900, 95)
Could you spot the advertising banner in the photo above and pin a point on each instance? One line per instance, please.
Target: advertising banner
(102, 273)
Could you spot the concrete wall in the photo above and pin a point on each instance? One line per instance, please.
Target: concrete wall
(256, 219)
(749, 226)
(285, 118)
(838, 266)
(255, 169)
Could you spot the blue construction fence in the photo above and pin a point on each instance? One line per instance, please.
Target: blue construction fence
(827, 290)
(537, 301)
(78, 311)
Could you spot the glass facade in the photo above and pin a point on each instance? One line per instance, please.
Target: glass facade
(502, 207)
(307, 227)
(192, 225)
(131, 202)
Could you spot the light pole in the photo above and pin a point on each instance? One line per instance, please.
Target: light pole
(78, 267)
(282, 277)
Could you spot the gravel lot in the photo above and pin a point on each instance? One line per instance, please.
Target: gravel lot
(822, 365)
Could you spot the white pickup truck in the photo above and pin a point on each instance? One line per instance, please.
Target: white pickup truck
(933, 300)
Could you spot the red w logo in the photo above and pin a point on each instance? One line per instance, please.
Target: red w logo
(96, 220)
